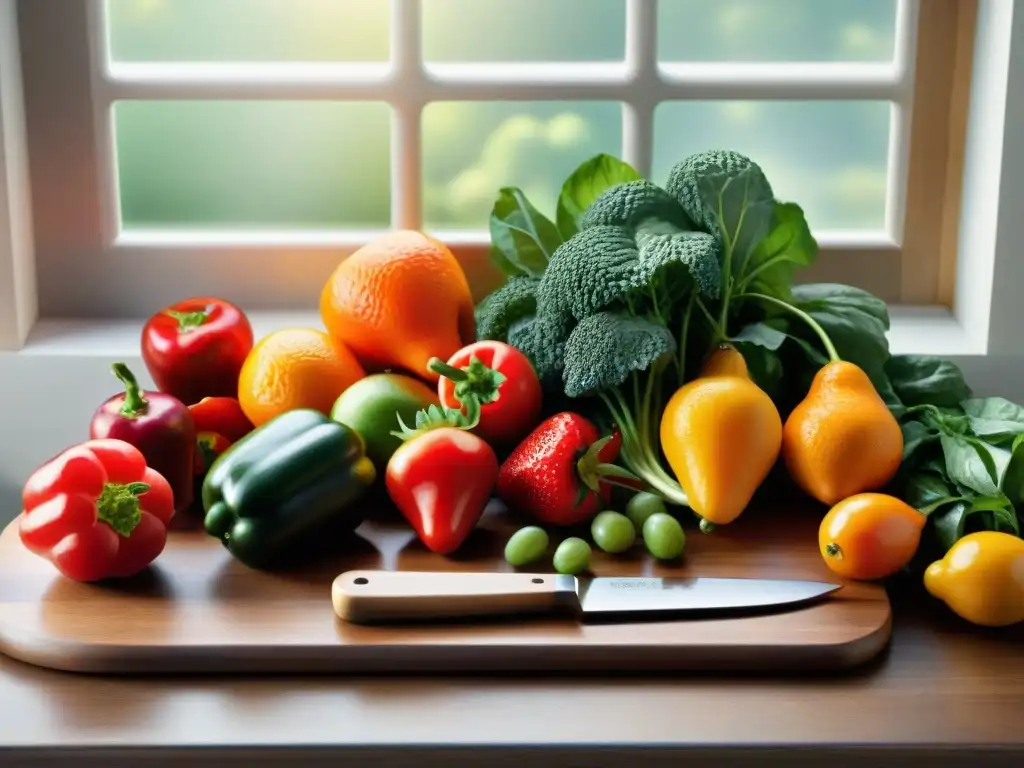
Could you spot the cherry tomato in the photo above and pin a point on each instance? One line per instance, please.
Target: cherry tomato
(869, 536)
(510, 403)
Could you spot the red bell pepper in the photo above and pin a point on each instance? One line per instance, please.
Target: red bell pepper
(501, 380)
(96, 511)
(196, 347)
(561, 474)
(209, 445)
(441, 478)
(159, 425)
(222, 415)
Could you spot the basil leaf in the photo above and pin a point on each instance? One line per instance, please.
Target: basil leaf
(924, 489)
(852, 320)
(585, 185)
(917, 437)
(522, 238)
(856, 322)
(948, 525)
(841, 298)
(994, 418)
(1002, 517)
(973, 464)
(885, 390)
(775, 260)
(1013, 477)
(762, 335)
(987, 513)
(763, 365)
(923, 379)
(995, 431)
(998, 408)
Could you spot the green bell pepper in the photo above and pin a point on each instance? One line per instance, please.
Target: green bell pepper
(286, 485)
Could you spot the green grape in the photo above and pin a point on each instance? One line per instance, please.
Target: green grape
(664, 536)
(642, 506)
(526, 545)
(613, 532)
(572, 556)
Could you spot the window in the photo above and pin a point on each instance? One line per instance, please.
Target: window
(240, 147)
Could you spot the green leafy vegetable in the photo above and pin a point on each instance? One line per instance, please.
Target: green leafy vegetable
(994, 418)
(501, 309)
(1012, 484)
(619, 302)
(973, 464)
(788, 247)
(522, 238)
(917, 437)
(585, 185)
(922, 379)
(605, 349)
(854, 320)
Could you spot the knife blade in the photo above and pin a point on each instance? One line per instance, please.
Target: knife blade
(374, 597)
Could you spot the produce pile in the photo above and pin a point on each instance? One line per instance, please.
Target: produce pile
(647, 366)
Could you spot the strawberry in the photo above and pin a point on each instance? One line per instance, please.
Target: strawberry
(552, 475)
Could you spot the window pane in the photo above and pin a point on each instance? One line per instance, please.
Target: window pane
(471, 150)
(249, 30)
(830, 157)
(253, 164)
(528, 30)
(776, 30)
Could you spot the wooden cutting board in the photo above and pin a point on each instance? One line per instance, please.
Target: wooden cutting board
(199, 611)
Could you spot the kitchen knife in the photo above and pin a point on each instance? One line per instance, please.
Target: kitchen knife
(371, 597)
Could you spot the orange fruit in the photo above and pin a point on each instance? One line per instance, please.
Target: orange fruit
(841, 439)
(295, 368)
(398, 301)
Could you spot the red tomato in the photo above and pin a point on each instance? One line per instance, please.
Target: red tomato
(441, 480)
(502, 380)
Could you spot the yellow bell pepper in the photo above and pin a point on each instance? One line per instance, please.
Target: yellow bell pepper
(981, 579)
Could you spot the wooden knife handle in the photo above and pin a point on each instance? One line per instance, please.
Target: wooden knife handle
(370, 597)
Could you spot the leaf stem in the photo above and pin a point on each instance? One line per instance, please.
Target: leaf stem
(639, 457)
(813, 324)
(684, 331)
(708, 316)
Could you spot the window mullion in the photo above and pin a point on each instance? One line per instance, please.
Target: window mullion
(408, 87)
(642, 66)
(103, 123)
(907, 13)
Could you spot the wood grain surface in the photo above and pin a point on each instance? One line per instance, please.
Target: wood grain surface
(942, 694)
(198, 610)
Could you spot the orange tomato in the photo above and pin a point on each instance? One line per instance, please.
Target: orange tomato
(869, 536)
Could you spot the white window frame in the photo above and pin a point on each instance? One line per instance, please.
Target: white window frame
(984, 319)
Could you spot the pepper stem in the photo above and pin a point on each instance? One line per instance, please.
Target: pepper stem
(834, 550)
(135, 403)
(476, 381)
(118, 506)
(813, 324)
(441, 368)
(189, 320)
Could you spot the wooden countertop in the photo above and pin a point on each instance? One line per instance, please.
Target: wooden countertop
(941, 693)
